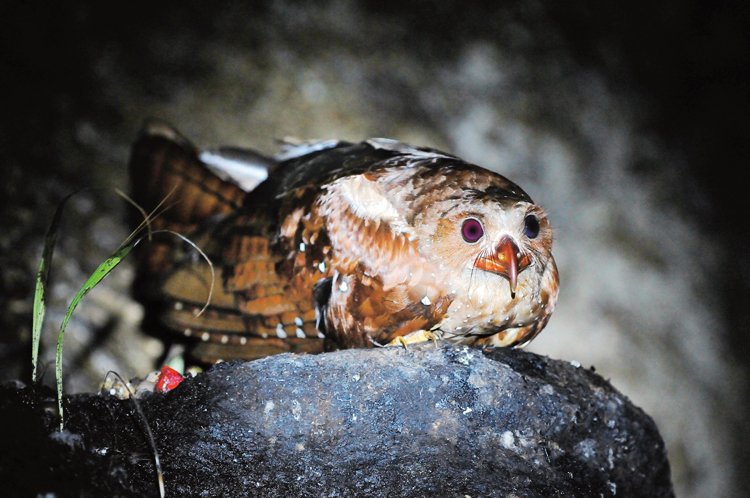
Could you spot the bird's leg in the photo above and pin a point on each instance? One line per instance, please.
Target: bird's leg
(416, 337)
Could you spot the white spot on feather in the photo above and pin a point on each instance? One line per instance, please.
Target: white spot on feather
(426, 301)
(280, 332)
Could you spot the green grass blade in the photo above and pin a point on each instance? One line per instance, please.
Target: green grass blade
(97, 276)
(104, 269)
(42, 279)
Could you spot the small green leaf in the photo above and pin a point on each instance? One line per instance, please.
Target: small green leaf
(97, 276)
(42, 279)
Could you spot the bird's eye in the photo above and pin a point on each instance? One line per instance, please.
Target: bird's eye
(531, 226)
(472, 230)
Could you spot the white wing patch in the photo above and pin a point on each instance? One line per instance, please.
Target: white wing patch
(243, 168)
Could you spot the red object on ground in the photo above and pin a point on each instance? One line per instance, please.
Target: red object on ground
(169, 378)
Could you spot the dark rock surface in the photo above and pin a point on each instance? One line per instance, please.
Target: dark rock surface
(452, 421)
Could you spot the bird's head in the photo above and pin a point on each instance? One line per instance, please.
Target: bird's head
(488, 226)
(464, 219)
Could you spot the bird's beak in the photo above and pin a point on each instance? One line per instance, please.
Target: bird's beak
(507, 261)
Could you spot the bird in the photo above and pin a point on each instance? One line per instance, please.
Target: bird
(333, 244)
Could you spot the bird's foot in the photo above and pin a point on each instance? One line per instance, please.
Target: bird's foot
(415, 338)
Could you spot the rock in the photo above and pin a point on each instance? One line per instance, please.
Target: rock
(452, 421)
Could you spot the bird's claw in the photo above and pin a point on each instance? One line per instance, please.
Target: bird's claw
(414, 338)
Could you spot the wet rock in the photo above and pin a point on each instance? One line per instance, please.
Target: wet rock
(452, 421)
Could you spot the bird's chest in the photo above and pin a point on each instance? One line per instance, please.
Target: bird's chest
(486, 308)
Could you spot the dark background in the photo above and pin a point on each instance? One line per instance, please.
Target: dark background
(684, 65)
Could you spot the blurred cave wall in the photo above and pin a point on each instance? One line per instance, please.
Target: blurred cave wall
(626, 121)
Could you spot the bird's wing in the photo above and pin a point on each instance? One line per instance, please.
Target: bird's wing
(200, 195)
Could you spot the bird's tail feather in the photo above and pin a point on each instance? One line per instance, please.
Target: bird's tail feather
(200, 194)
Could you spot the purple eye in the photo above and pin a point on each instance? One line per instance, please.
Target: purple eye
(531, 226)
(472, 230)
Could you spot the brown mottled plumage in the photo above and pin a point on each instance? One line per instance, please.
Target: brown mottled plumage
(353, 245)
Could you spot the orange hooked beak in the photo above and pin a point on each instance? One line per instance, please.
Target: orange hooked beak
(507, 261)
